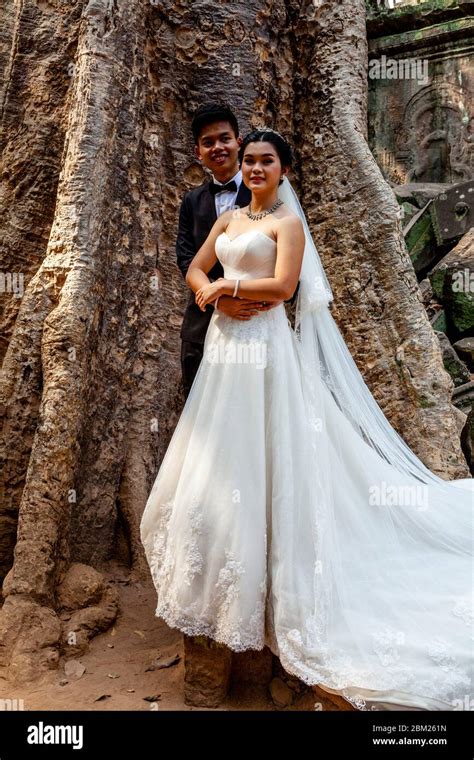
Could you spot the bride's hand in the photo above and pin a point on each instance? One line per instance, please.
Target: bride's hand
(208, 293)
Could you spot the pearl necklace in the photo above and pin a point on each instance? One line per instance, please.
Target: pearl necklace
(261, 214)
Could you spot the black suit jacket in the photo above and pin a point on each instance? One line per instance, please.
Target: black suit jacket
(196, 219)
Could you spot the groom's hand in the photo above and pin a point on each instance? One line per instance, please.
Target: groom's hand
(239, 308)
(269, 305)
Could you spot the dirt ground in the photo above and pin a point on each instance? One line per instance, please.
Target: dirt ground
(116, 675)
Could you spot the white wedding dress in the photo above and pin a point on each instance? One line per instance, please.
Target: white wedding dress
(364, 586)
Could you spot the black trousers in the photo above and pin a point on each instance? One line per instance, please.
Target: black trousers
(191, 357)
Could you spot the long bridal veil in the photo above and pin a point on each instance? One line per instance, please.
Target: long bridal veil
(390, 555)
(326, 354)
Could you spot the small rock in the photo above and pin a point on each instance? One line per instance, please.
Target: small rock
(103, 696)
(74, 668)
(154, 698)
(426, 291)
(465, 350)
(281, 695)
(452, 363)
(158, 664)
(63, 682)
(112, 675)
(130, 691)
(81, 586)
(169, 662)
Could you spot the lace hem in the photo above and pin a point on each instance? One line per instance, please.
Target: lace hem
(399, 685)
(238, 641)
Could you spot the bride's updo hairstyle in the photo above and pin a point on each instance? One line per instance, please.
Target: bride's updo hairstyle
(282, 147)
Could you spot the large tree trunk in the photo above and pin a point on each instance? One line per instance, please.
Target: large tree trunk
(96, 153)
(356, 222)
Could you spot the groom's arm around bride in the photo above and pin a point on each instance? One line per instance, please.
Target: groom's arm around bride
(217, 141)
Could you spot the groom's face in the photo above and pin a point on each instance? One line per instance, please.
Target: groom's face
(218, 149)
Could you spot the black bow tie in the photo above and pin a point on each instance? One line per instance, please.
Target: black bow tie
(214, 188)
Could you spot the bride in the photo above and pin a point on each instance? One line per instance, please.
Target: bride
(287, 511)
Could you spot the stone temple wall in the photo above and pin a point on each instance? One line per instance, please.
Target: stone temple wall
(421, 132)
(421, 73)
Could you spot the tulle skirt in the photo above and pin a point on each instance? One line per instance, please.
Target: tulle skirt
(270, 525)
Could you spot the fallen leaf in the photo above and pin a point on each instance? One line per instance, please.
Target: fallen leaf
(140, 633)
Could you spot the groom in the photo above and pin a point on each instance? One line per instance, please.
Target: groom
(217, 141)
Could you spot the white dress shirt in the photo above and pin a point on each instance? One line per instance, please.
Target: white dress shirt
(225, 201)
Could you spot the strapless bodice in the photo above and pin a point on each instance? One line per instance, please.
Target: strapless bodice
(249, 255)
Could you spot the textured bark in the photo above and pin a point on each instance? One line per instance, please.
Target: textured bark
(356, 224)
(96, 153)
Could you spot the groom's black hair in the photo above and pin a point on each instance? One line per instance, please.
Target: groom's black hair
(208, 114)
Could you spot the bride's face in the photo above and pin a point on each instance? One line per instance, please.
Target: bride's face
(261, 167)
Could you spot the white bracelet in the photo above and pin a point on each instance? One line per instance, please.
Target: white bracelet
(237, 282)
(215, 302)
